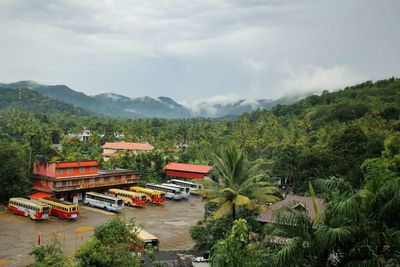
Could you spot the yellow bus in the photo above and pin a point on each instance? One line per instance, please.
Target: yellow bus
(62, 209)
(143, 239)
(154, 196)
(130, 198)
(26, 207)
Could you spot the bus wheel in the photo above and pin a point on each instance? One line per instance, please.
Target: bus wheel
(105, 208)
(129, 204)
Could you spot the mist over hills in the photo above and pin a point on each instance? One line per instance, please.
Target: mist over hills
(119, 106)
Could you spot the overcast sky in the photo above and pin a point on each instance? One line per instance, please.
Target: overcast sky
(192, 50)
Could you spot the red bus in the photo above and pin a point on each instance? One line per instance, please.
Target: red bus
(62, 209)
(29, 208)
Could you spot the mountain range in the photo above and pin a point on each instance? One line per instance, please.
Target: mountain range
(119, 106)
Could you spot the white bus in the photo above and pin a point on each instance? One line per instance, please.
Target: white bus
(185, 191)
(170, 192)
(102, 201)
(193, 186)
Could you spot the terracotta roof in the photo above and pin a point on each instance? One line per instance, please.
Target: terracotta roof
(187, 167)
(292, 201)
(40, 195)
(128, 146)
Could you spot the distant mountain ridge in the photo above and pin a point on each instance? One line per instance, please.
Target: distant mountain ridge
(32, 100)
(119, 106)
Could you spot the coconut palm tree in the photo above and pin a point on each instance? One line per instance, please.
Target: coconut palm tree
(240, 184)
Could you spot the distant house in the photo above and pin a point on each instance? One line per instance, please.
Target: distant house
(119, 135)
(84, 136)
(299, 203)
(111, 149)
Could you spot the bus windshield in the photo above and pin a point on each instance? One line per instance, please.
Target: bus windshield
(119, 202)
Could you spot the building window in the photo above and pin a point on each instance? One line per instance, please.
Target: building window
(82, 169)
(112, 179)
(50, 183)
(101, 179)
(69, 170)
(58, 184)
(43, 182)
(69, 183)
(123, 177)
(81, 181)
(91, 181)
(59, 171)
(92, 169)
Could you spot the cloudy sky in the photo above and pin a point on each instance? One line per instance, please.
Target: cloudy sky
(192, 50)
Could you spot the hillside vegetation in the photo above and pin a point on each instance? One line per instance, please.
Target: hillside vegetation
(345, 143)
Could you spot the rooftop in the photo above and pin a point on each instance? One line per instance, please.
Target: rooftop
(128, 146)
(187, 167)
(292, 201)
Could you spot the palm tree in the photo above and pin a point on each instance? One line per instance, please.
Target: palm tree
(239, 184)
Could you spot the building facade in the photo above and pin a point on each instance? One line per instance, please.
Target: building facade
(111, 149)
(70, 180)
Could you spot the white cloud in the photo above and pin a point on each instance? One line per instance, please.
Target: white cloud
(200, 48)
(314, 79)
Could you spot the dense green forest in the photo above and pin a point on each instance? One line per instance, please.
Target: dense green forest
(345, 143)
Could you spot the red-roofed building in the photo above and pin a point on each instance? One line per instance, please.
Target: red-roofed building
(111, 149)
(190, 171)
(70, 180)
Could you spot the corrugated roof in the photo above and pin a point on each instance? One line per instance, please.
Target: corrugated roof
(187, 167)
(38, 195)
(291, 201)
(128, 146)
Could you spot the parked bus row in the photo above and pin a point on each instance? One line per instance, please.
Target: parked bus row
(114, 200)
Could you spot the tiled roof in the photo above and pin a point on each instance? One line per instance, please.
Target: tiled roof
(187, 167)
(291, 201)
(128, 146)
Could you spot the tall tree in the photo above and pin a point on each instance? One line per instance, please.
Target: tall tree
(240, 184)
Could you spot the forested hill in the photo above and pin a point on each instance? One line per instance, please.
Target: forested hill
(381, 98)
(35, 102)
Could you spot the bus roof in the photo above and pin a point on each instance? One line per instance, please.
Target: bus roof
(125, 192)
(148, 190)
(59, 201)
(143, 235)
(102, 195)
(174, 185)
(163, 186)
(185, 182)
(28, 201)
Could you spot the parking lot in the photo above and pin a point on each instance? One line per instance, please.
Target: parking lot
(169, 222)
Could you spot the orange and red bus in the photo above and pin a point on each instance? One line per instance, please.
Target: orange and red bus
(130, 198)
(29, 208)
(153, 196)
(62, 209)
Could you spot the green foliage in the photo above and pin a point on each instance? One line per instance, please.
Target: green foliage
(236, 249)
(240, 184)
(49, 255)
(110, 245)
(14, 171)
(207, 233)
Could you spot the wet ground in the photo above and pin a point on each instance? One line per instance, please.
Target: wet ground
(169, 222)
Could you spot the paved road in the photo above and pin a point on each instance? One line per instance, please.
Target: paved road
(169, 222)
